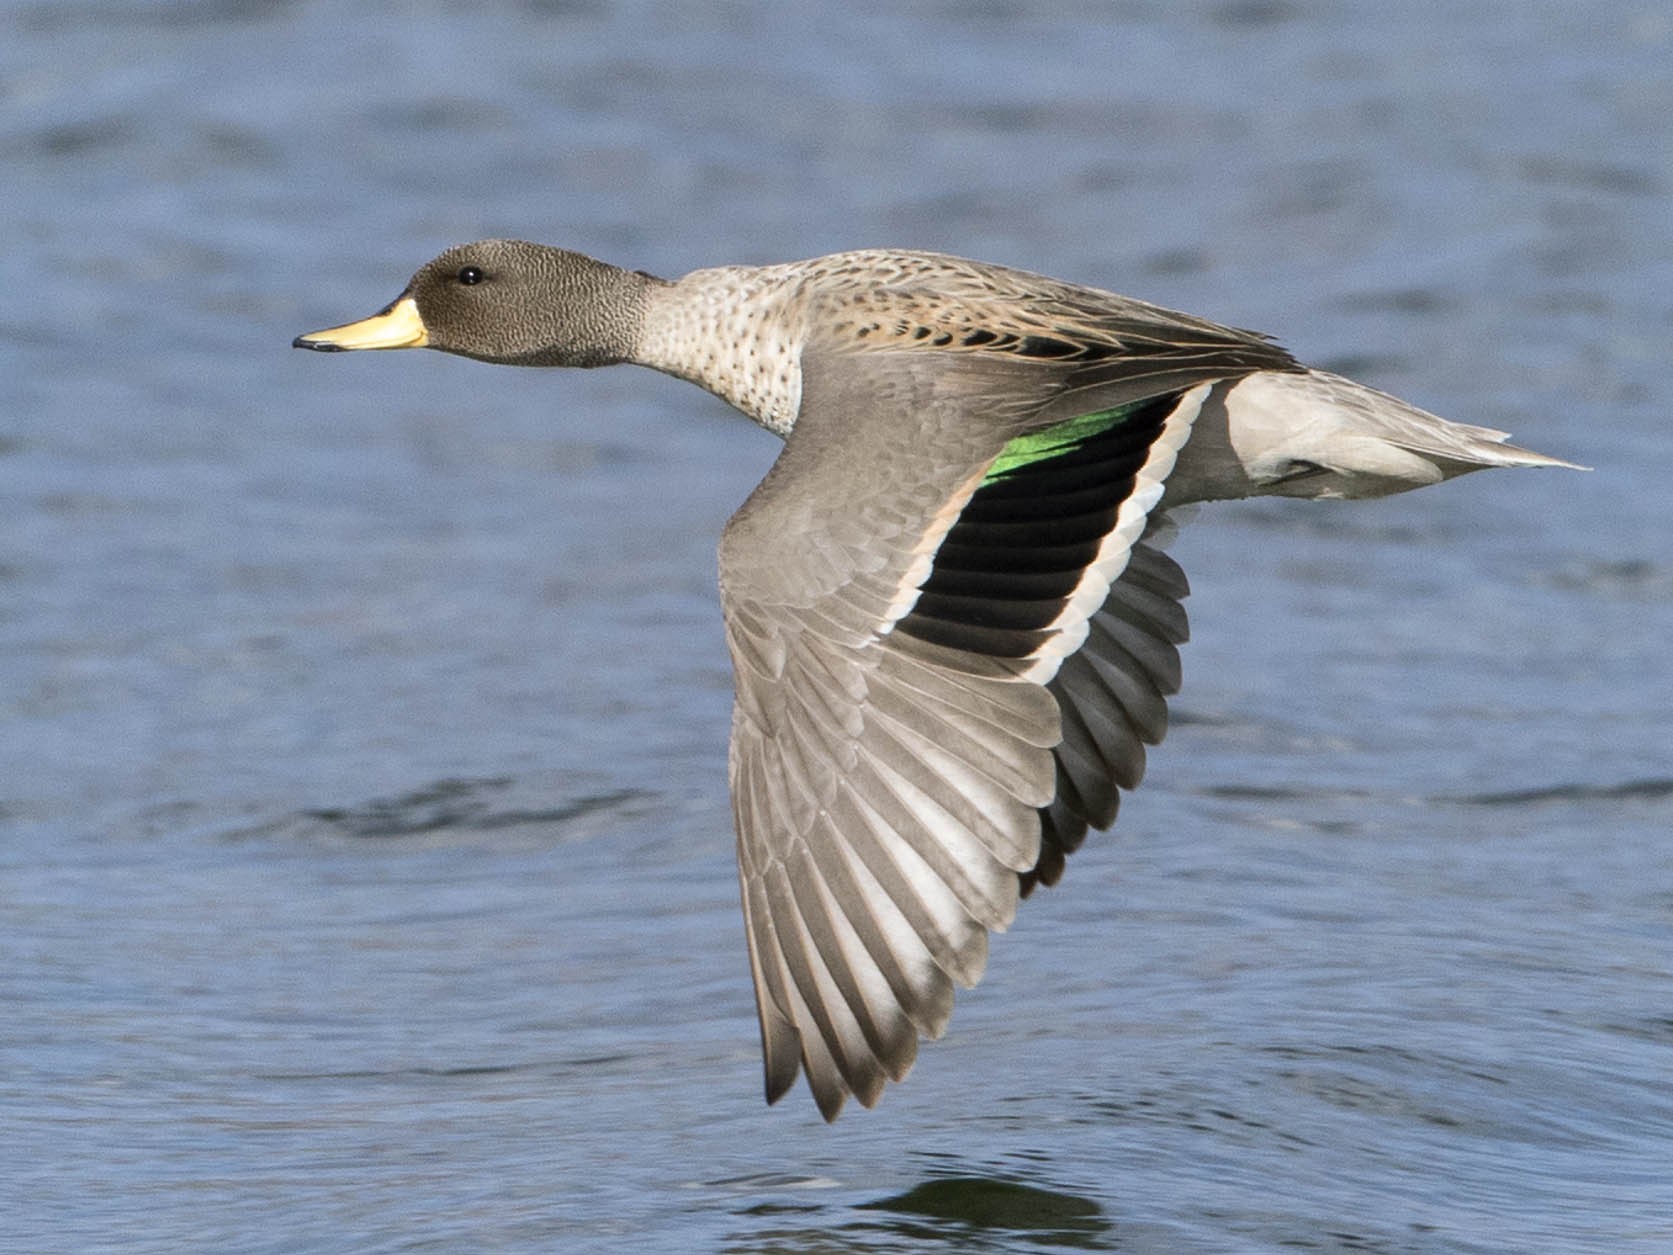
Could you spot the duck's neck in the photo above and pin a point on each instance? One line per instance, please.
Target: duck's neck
(734, 330)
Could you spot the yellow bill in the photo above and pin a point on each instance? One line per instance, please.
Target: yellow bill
(398, 327)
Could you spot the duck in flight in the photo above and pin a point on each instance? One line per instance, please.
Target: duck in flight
(952, 626)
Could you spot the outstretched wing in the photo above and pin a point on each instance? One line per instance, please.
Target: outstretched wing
(900, 593)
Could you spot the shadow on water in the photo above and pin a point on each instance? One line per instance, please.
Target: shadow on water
(454, 807)
(1647, 790)
(458, 804)
(960, 1213)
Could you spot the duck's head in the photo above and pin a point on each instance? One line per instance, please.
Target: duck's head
(507, 301)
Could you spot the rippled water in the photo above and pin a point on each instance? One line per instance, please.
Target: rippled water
(366, 877)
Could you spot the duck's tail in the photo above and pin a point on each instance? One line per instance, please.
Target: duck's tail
(1314, 434)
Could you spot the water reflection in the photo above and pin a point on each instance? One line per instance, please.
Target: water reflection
(964, 1213)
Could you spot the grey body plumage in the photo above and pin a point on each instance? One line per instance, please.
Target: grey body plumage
(953, 629)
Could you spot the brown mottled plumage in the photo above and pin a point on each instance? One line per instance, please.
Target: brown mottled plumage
(952, 628)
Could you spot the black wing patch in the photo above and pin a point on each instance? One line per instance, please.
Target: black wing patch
(1021, 546)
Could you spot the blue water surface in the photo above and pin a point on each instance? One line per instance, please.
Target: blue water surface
(366, 873)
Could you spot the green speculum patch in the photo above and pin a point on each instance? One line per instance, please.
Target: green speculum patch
(1061, 438)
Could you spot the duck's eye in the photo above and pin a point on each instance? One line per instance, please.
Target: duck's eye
(471, 275)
